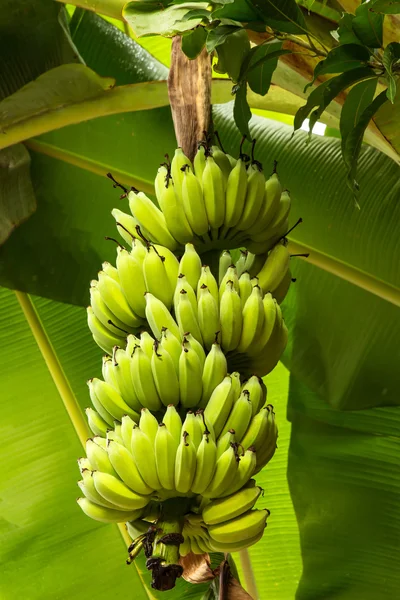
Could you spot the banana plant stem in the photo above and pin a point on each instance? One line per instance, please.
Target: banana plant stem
(248, 574)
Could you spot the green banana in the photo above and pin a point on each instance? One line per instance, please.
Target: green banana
(127, 426)
(170, 344)
(235, 546)
(98, 456)
(253, 318)
(96, 423)
(183, 284)
(186, 316)
(230, 318)
(143, 454)
(102, 336)
(193, 428)
(105, 315)
(126, 225)
(111, 400)
(224, 474)
(257, 392)
(179, 164)
(88, 489)
(132, 281)
(185, 465)
(170, 200)
(165, 375)
(254, 197)
(193, 203)
(246, 468)
(190, 265)
(173, 423)
(148, 424)
(214, 193)
(247, 525)
(225, 261)
(190, 376)
(107, 515)
(208, 316)
(159, 317)
(274, 269)
(199, 163)
(270, 206)
(224, 509)
(197, 347)
(205, 464)
(121, 367)
(125, 467)
(282, 289)
(208, 279)
(236, 188)
(214, 370)
(113, 297)
(219, 405)
(222, 161)
(271, 310)
(152, 219)
(224, 441)
(165, 450)
(147, 343)
(143, 380)
(240, 416)
(230, 275)
(261, 432)
(245, 288)
(156, 277)
(114, 490)
(240, 263)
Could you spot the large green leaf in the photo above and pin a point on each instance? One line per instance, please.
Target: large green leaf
(56, 544)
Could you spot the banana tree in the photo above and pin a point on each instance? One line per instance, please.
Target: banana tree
(92, 98)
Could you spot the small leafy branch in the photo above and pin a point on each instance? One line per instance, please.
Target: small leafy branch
(357, 60)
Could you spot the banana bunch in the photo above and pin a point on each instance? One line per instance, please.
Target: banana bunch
(182, 298)
(216, 202)
(212, 453)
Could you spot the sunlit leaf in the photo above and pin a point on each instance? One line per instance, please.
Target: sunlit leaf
(148, 18)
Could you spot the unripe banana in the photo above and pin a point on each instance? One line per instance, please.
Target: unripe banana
(185, 465)
(114, 435)
(102, 336)
(271, 310)
(224, 475)
(225, 441)
(156, 277)
(193, 203)
(270, 206)
(236, 385)
(230, 318)
(193, 427)
(172, 345)
(208, 279)
(124, 465)
(170, 201)
(126, 225)
(261, 432)
(281, 215)
(143, 380)
(173, 423)
(253, 318)
(148, 424)
(240, 263)
(84, 465)
(107, 515)
(131, 342)
(96, 423)
(165, 376)
(147, 343)
(224, 509)
(214, 370)
(200, 163)
(245, 526)
(88, 489)
(255, 262)
(197, 347)
(235, 546)
(273, 349)
(144, 457)
(178, 166)
(152, 219)
(208, 315)
(245, 288)
(219, 405)
(111, 400)
(132, 282)
(257, 391)
(254, 197)
(205, 464)
(275, 268)
(105, 415)
(240, 416)
(117, 372)
(190, 265)
(266, 244)
(222, 161)
(183, 284)
(225, 261)
(190, 376)
(236, 188)
(246, 468)
(127, 426)
(113, 296)
(214, 193)
(159, 317)
(105, 315)
(165, 451)
(114, 490)
(98, 457)
(230, 275)
(187, 316)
